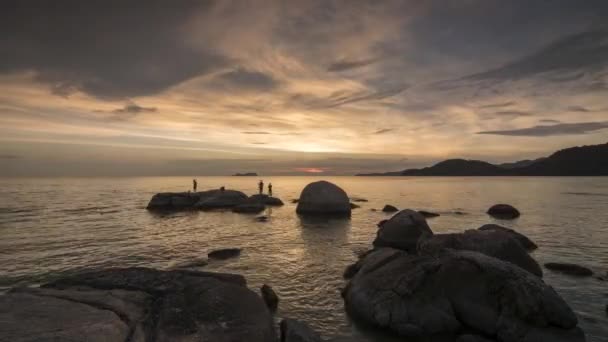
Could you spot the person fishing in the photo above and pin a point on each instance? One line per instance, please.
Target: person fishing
(194, 184)
(270, 189)
(261, 186)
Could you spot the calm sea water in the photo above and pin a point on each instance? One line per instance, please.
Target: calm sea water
(52, 226)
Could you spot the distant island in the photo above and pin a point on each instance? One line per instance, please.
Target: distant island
(246, 174)
(575, 161)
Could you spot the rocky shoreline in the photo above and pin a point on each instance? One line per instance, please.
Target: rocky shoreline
(481, 285)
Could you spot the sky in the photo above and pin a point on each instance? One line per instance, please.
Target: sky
(150, 87)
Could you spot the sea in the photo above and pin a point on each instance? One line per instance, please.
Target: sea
(51, 227)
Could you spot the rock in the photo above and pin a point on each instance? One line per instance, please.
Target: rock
(606, 309)
(262, 218)
(523, 240)
(221, 200)
(296, 331)
(358, 199)
(225, 253)
(403, 231)
(270, 297)
(373, 209)
(428, 214)
(354, 206)
(473, 338)
(295, 200)
(323, 198)
(498, 244)
(173, 201)
(422, 296)
(137, 304)
(351, 270)
(250, 207)
(192, 263)
(503, 211)
(266, 200)
(389, 209)
(569, 269)
(381, 223)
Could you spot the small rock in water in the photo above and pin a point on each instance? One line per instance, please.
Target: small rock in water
(270, 297)
(428, 214)
(295, 200)
(503, 211)
(225, 253)
(373, 209)
(354, 206)
(295, 331)
(358, 199)
(261, 218)
(570, 269)
(389, 209)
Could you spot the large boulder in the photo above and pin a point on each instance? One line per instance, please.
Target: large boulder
(323, 198)
(173, 200)
(403, 231)
(525, 242)
(454, 293)
(295, 331)
(137, 304)
(497, 244)
(503, 211)
(221, 200)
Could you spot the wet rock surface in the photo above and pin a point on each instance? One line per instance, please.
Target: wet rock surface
(526, 243)
(137, 304)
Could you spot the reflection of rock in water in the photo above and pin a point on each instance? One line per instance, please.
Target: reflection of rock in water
(318, 231)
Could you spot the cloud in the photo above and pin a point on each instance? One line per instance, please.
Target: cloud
(9, 156)
(255, 132)
(549, 121)
(384, 130)
(107, 49)
(553, 130)
(578, 109)
(246, 80)
(341, 98)
(345, 64)
(133, 108)
(513, 113)
(497, 105)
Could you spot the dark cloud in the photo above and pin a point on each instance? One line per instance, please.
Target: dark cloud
(384, 130)
(133, 108)
(256, 132)
(582, 51)
(513, 113)
(579, 109)
(497, 105)
(344, 64)
(549, 121)
(108, 49)
(341, 98)
(246, 80)
(550, 130)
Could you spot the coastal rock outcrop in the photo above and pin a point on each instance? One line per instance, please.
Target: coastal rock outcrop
(221, 200)
(266, 200)
(422, 296)
(403, 230)
(525, 242)
(137, 304)
(495, 243)
(323, 198)
(203, 200)
(503, 211)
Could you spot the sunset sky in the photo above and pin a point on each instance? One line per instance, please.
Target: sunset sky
(292, 87)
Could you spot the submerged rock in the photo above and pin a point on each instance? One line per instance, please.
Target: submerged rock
(270, 297)
(570, 269)
(503, 211)
(428, 214)
(389, 209)
(323, 198)
(295, 331)
(403, 231)
(225, 253)
(422, 296)
(358, 199)
(497, 244)
(137, 304)
(523, 240)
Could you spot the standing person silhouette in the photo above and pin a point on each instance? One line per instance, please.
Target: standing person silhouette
(261, 186)
(270, 189)
(194, 184)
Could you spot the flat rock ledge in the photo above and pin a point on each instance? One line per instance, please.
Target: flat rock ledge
(137, 305)
(211, 200)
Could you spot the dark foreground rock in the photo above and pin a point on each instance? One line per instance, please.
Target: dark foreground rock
(266, 200)
(423, 296)
(403, 231)
(323, 198)
(389, 209)
(428, 214)
(495, 243)
(270, 297)
(137, 304)
(570, 269)
(503, 211)
(296, 331)
(525, 242)
(225, 253)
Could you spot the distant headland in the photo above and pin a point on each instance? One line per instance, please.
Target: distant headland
(246, 174)
(575, 161)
